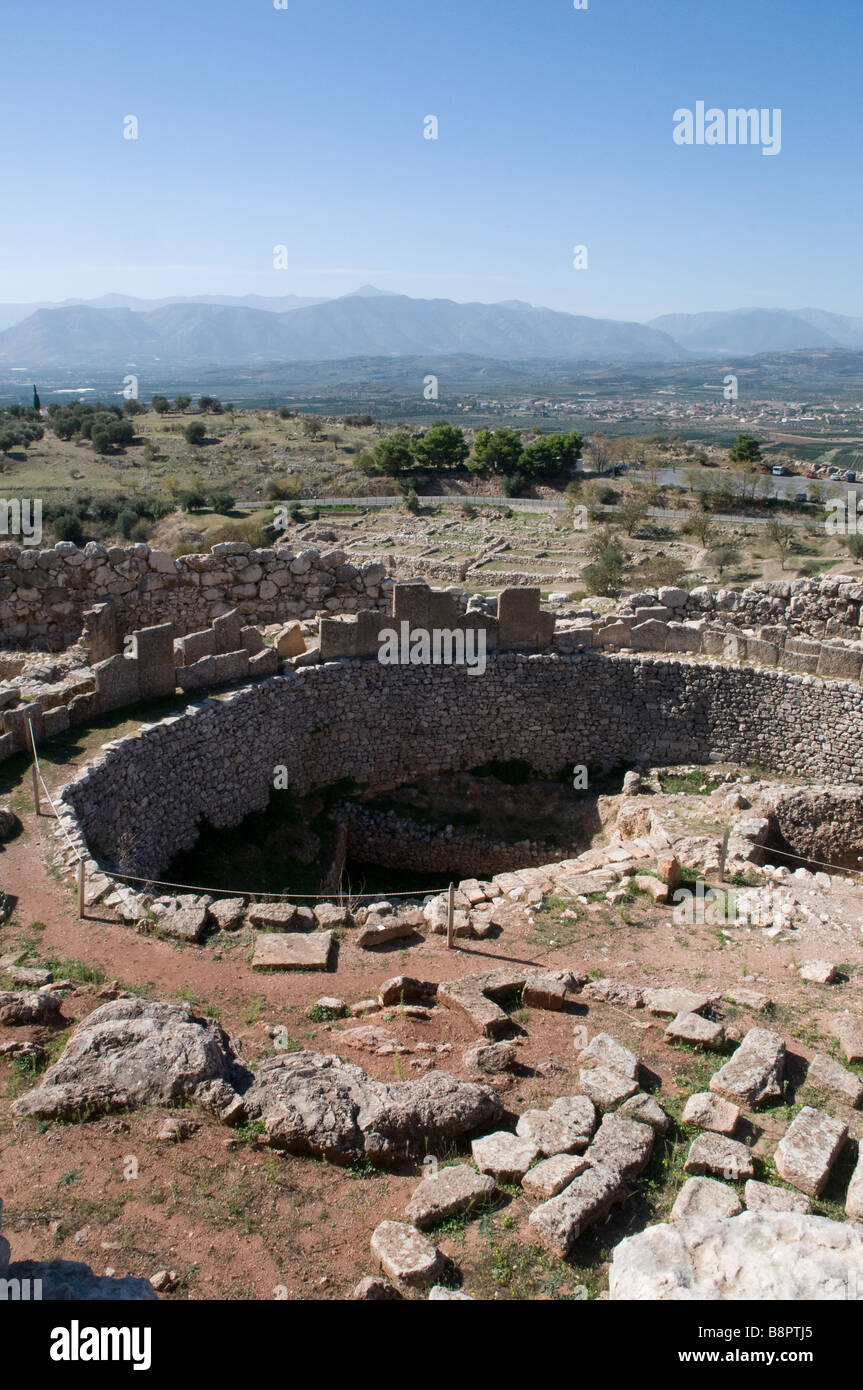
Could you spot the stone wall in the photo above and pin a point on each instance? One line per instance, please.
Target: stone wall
(145, 797)
(44, 594)
(829, 607)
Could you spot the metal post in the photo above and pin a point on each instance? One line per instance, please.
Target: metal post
(450, 918)
(82, 887)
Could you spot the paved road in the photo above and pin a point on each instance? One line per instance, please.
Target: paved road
(779, 487)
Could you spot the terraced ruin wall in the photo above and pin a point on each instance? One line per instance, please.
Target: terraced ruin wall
(44, 594)
(146, 796)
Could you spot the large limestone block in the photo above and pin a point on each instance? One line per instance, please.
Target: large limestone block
(807, 1151)
(765, 1256)
(753, 1073)
(405, 1256)
(447, 1193)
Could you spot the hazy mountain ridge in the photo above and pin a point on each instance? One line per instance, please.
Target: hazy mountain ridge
(751, 331)
(364, 324)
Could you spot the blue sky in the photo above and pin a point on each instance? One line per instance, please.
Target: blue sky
(304, 127)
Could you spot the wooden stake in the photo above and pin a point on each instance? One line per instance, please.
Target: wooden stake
(450, 918)
(34, 770)
(82, 887)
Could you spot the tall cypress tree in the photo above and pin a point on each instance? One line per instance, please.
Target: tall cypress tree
(37, 404)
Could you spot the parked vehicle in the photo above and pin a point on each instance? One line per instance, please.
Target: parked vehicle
(801, 497)
(850, 477)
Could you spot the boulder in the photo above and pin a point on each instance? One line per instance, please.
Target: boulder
(506, 1157)
(706, 1198)
(372, 1290)
(808, 1149)
(605, 1088)
(29, 1007)
(447, 1193)
(578, 1115)
(311, 1103)
(826, 1075)
(405, 1256)
(558, 1223)
(647, 1111)
(129, 1053)
(708, 1111)
(772, 1257)
(621, 1145)
(228, 913)
(490, 1057)
(761, 1196)
(695, 1030)
(552, 1175)
(717, 1155)
(550, 1135)
(605, 1051)
(754, 1073)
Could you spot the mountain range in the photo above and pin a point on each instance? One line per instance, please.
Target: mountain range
(124, 333)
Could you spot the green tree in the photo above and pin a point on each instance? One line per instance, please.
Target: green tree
(191, 500)
(312, 425)
(497, 451)
(182, 403)
(195, 432)
(160, 404)
(393, 455)
(745, 450)
(221, 502)
(552, 456)
(441, 447)
(37, 404)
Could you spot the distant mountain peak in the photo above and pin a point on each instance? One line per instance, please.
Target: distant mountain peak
(367, 292)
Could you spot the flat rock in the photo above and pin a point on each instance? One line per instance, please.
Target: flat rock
(770, 1257)
(405, 1256)
(820, 972)
(478, 996)
(332, 916)
(552, 1175)
(439, 1293)
(185, 923)
(228, 913)
(718, 1156)
(605, 1051)
(505, 1156)
(551, 1136)
(621, 1145)
(808, 1149)
(490, 1057)
(754, 1073)
(614, 992)
(311, 1103)
(672, 1001)
(705, 1198)
(558, 1223)
(826, 1075)
(761, 1196)
(447, 1193)
(647, 1111)
(132, 1052)
(370, 1039)
(391, 929)
(695, 1030)
(708, 1111)
(578, 1114)
(604, 1087)
(849, 1032)
(748, 999)
(544, 992)
(31, 976)
(292, 950)
(401, 988)
(29, 1007)
(273, 916)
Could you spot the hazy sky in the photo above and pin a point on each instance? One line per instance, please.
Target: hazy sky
(303, 127)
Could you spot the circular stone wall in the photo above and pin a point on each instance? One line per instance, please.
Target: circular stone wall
(146, 797)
